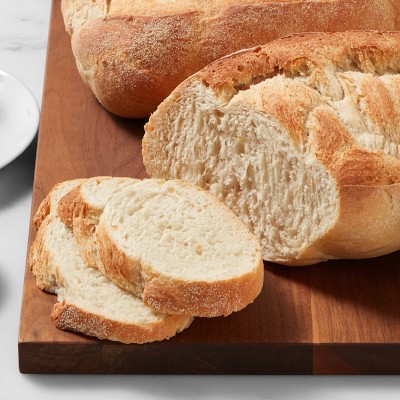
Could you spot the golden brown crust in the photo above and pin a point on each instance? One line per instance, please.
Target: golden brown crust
(184, 38)
(39, 258)
(204, 299)
(306, 55)
(124, 272)
(69, 317)
(117, 57)
(74, 211)
(175, 296)
(42, 212)
(68, 205)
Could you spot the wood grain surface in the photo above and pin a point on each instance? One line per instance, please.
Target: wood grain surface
(339, 317)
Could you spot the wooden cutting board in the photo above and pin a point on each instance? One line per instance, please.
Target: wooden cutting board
(334, 318)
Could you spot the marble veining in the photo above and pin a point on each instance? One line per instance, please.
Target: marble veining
(23, 41)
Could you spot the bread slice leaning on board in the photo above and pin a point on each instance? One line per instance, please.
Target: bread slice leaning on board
(174, 245)
(300, 138)
(132, 54)
(88, 302)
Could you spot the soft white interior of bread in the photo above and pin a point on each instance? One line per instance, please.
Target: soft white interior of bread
(246, 159)
(97, 191)
(179, 231)
(85, 287)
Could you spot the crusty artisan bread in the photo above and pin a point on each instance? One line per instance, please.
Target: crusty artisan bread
(132, 54)
(88, 302)
(81, 208)
(180, 249)
(300, 138)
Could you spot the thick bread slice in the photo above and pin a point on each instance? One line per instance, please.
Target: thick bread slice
(88, 302)
(81, 209)
(300, 138)
(132, 54)
(180, 249)
(50, 202)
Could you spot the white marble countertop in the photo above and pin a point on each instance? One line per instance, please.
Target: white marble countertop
(23, 37)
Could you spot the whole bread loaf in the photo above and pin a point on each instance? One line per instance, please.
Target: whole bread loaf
(132, 54)
(300, 138)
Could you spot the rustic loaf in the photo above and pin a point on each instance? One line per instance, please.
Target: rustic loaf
(88, 302)
(300, 138)
(132, 54)
(178, 248)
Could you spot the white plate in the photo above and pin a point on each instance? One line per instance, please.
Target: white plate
(19, 118)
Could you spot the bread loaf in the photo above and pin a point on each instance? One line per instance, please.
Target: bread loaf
(132, 54)
(300, 138)
(88, 302)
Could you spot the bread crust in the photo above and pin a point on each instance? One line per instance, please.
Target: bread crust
(185, 36)
(71, 318)
(75, 213)
(368, 220)
(174, 296)
(39, 258)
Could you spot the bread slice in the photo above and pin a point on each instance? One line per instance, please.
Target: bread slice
(88, 302)
(300, 138)
(50, 202)
(180, 249)
(81, 208)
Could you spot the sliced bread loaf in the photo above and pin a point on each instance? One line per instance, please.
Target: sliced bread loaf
(180, 249)
(88, 302)
(81, 208)
(300, 138)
